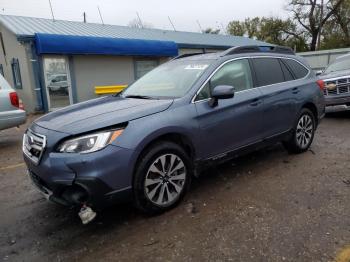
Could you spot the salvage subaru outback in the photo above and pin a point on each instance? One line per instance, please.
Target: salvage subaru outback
(146, 143)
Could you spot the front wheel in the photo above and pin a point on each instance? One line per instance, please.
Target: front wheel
(303, 133)
(162, 178)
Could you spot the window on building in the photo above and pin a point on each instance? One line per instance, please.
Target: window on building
(16, 72)
(142, 67)
(1, 70)
(268, 71)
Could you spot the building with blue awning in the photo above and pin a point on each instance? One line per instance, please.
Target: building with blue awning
(56, 63)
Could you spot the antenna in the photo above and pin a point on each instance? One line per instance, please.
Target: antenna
(53, 17)
(140, 21)
(171, 23)
(200, 27)
(99, 11)
(84, 15)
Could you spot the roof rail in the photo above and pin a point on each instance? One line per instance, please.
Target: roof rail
(258, 49)
(186, 55)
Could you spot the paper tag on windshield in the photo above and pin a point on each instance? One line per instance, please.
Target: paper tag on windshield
(196, 67)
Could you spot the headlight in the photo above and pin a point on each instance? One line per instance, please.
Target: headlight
(89, 143)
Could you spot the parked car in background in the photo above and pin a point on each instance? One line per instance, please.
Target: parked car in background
(147, 142)
(336, 78)
(11, 108)
(59, 84)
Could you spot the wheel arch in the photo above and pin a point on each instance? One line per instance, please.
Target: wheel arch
(312, 107)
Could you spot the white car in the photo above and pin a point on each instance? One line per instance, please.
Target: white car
(58, 83)
(11, 108)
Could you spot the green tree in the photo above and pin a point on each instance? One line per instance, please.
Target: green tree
(312, 15)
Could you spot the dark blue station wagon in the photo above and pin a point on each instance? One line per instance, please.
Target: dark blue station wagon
(146, 143)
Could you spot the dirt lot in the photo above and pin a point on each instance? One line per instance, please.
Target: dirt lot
(267, 206)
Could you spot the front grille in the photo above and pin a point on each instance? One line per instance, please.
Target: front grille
(33, 146)
(342, 87)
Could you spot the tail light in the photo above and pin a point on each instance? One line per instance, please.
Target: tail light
(320, 83)
(14, 99)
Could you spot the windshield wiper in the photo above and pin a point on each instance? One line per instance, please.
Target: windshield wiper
(139, 96)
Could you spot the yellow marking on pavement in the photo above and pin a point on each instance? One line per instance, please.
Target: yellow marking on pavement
(12, 166)
(343, 255)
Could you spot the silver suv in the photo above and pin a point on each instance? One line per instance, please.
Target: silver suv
(336, 78)
(11, 109)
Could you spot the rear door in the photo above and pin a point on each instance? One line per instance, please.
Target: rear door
(234, 122)
(274, 80)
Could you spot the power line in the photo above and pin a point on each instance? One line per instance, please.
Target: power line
(140, 21)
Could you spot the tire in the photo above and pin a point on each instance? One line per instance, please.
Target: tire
(156, 188)
(303, 133)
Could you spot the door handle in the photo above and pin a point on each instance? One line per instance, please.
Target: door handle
(295, 90)
(255, 102)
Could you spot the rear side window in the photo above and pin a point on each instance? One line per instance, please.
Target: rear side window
(299, 70)
(286, 72)
(268, 71)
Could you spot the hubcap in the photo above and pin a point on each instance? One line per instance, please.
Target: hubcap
(304, 131)
(165, 180)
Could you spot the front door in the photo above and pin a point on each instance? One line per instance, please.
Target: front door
(57, 82)
(234, 122)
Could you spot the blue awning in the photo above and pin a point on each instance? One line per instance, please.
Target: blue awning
(90, 45)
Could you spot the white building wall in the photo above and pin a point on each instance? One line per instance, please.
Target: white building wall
(21, 51)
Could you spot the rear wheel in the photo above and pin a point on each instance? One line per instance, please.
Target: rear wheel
(162, 178)
(303, 132)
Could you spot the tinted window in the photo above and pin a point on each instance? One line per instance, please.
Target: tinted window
(268, 71)
(236, 74)
(298, 70)
(287, 74)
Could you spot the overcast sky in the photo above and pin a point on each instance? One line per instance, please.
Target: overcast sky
(183, 13)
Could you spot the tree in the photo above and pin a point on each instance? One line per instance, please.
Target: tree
(312, 15)
(269, 29)
(211, 31)
(136, 23)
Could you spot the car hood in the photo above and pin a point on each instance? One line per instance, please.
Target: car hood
(335, 74)
(99, 113)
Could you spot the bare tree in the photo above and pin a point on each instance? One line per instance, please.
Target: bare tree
(136, 23)
(312, 15)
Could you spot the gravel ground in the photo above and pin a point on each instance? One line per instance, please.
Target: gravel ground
(266, 206)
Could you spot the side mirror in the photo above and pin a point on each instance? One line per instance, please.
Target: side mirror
(221, 92)
(319, 72)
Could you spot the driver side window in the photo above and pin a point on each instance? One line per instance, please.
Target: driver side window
(236, 73)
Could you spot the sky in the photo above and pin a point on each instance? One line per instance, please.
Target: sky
(183, 13)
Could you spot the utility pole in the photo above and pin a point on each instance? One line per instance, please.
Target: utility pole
(53, 17)
(84, 15)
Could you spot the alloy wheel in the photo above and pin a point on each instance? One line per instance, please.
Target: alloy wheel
(304, 131)
(165, 180)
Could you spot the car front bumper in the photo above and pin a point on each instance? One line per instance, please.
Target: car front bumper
(337, 100)
(96, 179)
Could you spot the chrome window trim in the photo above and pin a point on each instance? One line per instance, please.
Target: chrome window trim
(247, 57)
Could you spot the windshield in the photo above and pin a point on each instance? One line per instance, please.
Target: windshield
(170, 80)
(343, 64)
